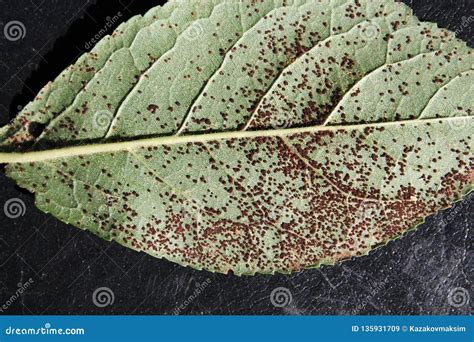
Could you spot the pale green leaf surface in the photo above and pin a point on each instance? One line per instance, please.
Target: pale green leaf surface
(254, 136)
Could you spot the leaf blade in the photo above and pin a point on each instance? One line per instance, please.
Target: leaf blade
(331, 183)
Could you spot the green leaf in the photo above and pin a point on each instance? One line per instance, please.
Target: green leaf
(254, 136)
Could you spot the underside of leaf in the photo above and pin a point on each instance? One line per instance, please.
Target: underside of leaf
(254, 136)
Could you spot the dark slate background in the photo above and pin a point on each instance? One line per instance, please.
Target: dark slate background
(426, 272)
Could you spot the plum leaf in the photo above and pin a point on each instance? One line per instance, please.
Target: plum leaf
(254, 136)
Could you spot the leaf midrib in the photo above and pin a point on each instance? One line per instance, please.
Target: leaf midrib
(109, 147)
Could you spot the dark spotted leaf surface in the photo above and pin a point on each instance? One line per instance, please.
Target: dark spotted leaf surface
(254, 136)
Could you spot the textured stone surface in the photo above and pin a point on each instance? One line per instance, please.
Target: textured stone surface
(413, 275)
